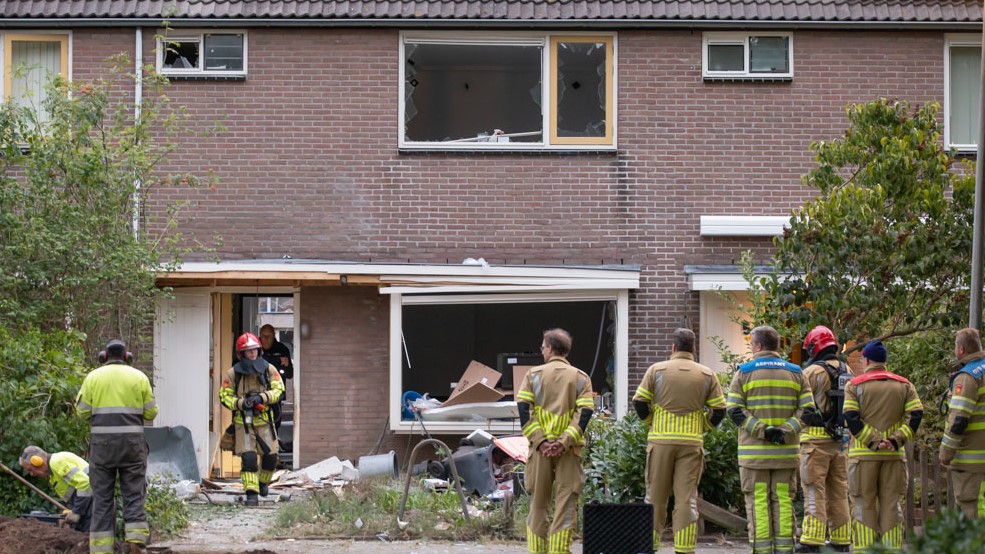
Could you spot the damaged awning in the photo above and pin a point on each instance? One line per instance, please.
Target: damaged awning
(402, 278)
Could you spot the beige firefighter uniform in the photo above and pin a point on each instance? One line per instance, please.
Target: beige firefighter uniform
(963, 445)
(823, 472)
(879, 406)
(679, 392)
(766, 400)
(256, 438)
(559, 396)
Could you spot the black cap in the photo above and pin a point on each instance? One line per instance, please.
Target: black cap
(116, 346)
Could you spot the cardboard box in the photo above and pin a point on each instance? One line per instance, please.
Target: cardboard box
(519, 372)
(476, 385)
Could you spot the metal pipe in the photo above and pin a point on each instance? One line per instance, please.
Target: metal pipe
(138, 92)
(454, 474)
(975, 310)
(35, 489)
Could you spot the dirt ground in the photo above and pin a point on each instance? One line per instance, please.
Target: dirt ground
(240, 531)
(30, 536)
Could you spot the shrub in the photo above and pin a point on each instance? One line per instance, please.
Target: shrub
(166, 513)
(950, 532)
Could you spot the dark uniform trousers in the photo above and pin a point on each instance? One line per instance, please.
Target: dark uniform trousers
(675, 467)
(125, 456)
(559, 479)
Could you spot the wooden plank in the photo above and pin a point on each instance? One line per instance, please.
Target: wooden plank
(908, 527)
(924, 488)
(720, 517)
(935, 466)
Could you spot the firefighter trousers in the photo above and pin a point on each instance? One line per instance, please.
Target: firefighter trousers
(561, 479)
(877, 488)
(769, 507)
(969, 492)
(122, 456)
(824, 478)
(674, 467)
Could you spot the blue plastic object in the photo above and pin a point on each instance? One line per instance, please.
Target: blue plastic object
(406, 402)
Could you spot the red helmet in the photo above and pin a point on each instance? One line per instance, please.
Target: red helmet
(818, 339)
(247, 341)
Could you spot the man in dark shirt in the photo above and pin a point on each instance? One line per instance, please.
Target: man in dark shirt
(277, 355)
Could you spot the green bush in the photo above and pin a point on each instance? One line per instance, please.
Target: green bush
(40, 374)
(720, 483)
(950, 532)
(166, 513)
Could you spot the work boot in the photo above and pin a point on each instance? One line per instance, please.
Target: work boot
(264, 489)
(801, 547)
(840, 547)
(251, 499)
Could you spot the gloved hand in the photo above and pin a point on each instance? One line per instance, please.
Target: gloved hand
(256, 400)
(70, 519)
(248, 402)
(775, 435)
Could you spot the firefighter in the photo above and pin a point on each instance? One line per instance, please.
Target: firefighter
(882, 411)
(248, 389)
(823, 465)
(767, 400)
(680, 399)
(117, 399)
(964, 435)
(556, 403)
(68, 474)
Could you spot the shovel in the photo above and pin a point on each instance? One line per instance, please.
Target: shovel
(35, 489)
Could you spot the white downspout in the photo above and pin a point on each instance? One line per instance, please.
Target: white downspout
(138, 92)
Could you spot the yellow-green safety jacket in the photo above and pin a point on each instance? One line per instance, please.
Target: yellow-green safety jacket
(117, 399)
(251, 383)
(69, 475)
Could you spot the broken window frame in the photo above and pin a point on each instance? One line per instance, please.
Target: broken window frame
(10, 65)
(200, 71)
(743, 39)
(398, 301)
(548, 101)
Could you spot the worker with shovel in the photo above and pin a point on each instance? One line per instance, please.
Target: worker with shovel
(69, 475)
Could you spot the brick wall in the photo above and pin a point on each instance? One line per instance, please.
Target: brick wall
(309, 168)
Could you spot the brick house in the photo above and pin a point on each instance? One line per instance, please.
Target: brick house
(609, 162)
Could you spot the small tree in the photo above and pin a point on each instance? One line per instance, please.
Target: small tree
(882, 252)
(73, 270)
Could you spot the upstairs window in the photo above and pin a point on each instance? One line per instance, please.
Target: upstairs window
(30, 61)
(507, 92)
(747, 56)
(203, 54)
(962, 86)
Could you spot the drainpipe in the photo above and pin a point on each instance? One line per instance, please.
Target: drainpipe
(138, 92)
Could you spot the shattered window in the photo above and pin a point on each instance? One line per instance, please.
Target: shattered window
(181, 55)
(203, 54)
(581, 89)
(473, 93)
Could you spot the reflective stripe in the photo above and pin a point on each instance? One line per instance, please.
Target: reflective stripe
(960, 404)
(121, 429)
(644, 394)
(795, 424)
(136, 525)
(950, 442)
(763, 383)
(151, 404)
(716, 402)
(761, 507)
(969, 456)
(84, 494)
(117, 410)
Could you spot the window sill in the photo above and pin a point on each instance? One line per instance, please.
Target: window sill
(553, 150)
(185, 77)
(749, 79)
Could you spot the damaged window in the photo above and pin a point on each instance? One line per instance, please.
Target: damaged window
(742, 55)
(206, 54)
(498, 92)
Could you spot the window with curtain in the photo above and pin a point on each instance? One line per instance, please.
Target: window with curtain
(30, 62)
(964, 86)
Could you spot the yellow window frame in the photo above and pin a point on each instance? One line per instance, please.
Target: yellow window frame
(10, 38)
(609, 138)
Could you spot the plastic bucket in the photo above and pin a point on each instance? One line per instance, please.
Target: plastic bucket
(381, 465)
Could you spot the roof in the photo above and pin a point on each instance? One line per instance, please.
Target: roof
(584, 11)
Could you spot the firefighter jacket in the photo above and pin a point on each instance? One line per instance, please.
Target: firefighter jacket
(769, 392)
(963, 444)
(888, 407)
(117, 399)
(821, 384)
(680, 392)
(69, 475)
(251, 377)
(561, 403)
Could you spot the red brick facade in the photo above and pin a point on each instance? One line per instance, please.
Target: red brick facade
(311, 151)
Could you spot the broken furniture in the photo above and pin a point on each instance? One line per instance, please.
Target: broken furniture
(454, 473)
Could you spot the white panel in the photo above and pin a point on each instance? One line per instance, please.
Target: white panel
(717, 320)
(743, 225)
(182, 336)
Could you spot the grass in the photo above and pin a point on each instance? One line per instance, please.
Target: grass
(370, 510)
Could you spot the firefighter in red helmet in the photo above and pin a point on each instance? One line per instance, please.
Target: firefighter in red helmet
(824, 467)
(248, 389)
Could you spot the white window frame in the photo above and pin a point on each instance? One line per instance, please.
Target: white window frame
(398, 301)
(742, 39)
(950, 40)
(7, 36)
(542, 39)
(199, 36)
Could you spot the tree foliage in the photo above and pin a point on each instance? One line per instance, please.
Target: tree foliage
(74, 272)
(883, 250)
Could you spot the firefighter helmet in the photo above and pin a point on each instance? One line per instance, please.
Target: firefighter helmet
(247, 341)
(818, 339)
